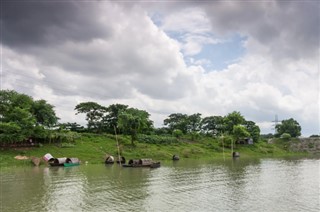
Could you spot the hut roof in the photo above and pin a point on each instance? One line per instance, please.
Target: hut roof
(60, 160)
(72, 160)
(146, 161)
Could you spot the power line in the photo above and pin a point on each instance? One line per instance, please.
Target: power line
(276, 121)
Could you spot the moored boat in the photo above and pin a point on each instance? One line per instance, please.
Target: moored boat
(57, 161)
(71, 162)
(149, 163)
(109, 159)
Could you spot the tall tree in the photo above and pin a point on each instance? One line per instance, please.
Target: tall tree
(233, 119)
(112, 116)
(194, 122)
(253, 129)
(212, 125)
(75, 127)
(94, 115)
(23, 117)
(289, 126)
(44, 113)
(239, 132)
(177, 121)
(132, 121)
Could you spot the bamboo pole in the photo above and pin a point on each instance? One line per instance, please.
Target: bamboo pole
(115, 132)
(224, 158)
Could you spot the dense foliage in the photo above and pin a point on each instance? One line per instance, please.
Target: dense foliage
(289, 126)
(22, 118)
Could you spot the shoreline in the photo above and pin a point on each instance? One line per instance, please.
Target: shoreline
(92, 149)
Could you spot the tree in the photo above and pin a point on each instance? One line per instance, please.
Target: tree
(132, 121)
(231, 120)
(15, 116)
(75, 127)
(239, 132)
(44, 113)
(212, 125)
(177, 121)
(10, 132)
(194, 122)
(253, 129)
(23, 118)
(289, 126)
(177, 133)
(111, 118)
(94, 115)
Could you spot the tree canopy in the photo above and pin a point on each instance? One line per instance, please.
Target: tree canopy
(289, 126)
(21, 117)
(132, 121)
(94, 115)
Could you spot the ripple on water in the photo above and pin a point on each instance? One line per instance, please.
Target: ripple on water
(267, 185)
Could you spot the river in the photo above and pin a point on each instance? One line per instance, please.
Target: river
(186, 185)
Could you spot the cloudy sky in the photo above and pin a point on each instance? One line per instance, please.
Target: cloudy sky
(260, 58)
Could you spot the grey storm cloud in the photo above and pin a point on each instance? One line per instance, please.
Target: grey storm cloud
(289, 28)
(37, 23)
(97, 41)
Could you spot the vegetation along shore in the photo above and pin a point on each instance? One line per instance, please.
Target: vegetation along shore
(31, 128)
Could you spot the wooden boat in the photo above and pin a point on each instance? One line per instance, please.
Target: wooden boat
(109, 159)
(71, 162)
(122, 160)
(57, 161)
(64, 162)
(235, 154)
(142, 163)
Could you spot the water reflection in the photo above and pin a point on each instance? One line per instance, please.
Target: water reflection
(64, 188)
(186, 185)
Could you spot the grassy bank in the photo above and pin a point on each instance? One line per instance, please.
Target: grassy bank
(92, 149)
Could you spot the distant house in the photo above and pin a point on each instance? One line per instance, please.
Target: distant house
(246, 141)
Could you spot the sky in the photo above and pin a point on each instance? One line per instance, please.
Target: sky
(260, 58)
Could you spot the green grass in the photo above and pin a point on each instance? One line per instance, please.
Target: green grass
(92, 148)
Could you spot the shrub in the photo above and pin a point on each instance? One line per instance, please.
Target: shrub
(225, 141)
(67, 145)
(155, 139)
(177, 133)
(286, 136)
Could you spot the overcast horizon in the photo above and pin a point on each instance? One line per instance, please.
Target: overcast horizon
(208, 57)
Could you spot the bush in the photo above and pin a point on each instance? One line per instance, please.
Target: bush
(286, 136)
(155, 139)
(225, 141)
(177, 133)
(67, 145)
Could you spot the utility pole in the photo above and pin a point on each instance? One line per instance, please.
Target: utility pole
(276, 121)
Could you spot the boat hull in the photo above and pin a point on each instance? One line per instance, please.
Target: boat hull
(70, 164)
(152, 165)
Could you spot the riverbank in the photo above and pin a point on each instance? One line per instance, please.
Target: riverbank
(92, 149)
